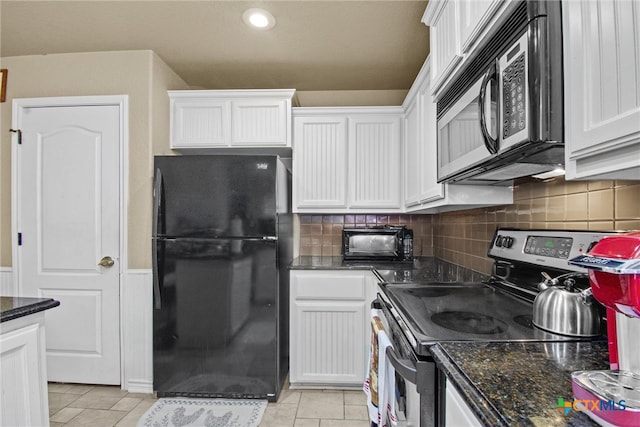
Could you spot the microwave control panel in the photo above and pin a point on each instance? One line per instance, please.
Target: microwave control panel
(513, 98)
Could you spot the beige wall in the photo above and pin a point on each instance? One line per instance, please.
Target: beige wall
(139, 74)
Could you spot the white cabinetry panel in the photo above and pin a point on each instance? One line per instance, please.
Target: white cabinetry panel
(412, 153)
(23, 383)
(457, 411)
(329, 327)
(445, 41)
(329, 343)
(320, 161)
(199, 123)
(365, 141)
(374, 150)
(602, 89)
(259, 123)
(202, 119)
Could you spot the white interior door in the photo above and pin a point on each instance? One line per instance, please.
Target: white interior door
(68, 212)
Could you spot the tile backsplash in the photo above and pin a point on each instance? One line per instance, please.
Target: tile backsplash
(463, 237)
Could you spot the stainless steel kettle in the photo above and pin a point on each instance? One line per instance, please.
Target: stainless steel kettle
(562, 309)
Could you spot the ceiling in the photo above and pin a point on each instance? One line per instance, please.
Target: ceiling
(315, 45)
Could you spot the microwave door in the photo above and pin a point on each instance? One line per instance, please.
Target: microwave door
(461, 143)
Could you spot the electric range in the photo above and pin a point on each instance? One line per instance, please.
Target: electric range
(443, 307)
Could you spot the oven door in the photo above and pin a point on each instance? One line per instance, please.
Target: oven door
(416, 377)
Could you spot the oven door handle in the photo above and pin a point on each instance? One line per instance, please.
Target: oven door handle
(404, 367)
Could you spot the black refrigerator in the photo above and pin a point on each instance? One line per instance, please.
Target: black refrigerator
(222, 243)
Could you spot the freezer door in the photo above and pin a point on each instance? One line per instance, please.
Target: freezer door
(215, 334)
(215, 196)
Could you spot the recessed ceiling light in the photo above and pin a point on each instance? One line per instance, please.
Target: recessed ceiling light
(258, 18)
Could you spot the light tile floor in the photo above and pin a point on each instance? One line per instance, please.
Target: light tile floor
(106, 406)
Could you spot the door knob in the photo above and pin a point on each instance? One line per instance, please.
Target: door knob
(106, 262)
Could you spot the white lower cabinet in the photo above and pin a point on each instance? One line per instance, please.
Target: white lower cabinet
(23, 382)
(457, 412)
(329, 327)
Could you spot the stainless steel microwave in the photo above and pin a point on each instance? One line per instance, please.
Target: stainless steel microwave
(502, 116)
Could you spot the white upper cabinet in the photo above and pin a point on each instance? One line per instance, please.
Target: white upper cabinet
(444, 35)
(374, 165)
(412, 155)
(230, 118)
(602, 89)
(474, 15)
(319, 171)
(455, 26)
(347, 159)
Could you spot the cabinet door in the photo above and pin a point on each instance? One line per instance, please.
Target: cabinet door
(23, 383)
(474, 15)
(412, 169)
(602, 88)
(430, 190)
(320, 158)
(457, 411)
(329, 317)
(199, 123)
(445, 42)
(374, 153)
(259, 123)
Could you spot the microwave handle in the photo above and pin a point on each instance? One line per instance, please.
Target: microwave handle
(489, 142)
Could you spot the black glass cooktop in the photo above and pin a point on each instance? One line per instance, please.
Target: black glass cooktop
(462, 311)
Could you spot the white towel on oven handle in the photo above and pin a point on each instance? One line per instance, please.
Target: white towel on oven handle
(386, 384)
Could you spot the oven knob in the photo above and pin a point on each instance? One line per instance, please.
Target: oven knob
(508, 242)
(499, 241)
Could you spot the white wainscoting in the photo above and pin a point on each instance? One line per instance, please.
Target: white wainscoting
(7, 287)
(137, 331)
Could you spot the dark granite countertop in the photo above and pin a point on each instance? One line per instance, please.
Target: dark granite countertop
(15, 307)
(509, 384)
(422, 269)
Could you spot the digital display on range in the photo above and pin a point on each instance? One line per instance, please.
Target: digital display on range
(553, 247)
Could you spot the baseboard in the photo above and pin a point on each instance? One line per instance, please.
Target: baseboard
(139, 386)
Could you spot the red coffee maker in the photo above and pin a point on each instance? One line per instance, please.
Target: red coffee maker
(612, 398)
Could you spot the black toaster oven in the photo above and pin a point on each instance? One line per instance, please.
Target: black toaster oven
(378, 243)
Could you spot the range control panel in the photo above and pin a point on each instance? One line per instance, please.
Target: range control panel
(551, 248)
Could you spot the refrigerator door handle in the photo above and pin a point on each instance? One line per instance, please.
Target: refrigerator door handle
(156, 275)
(157, 205)
(157, 201)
